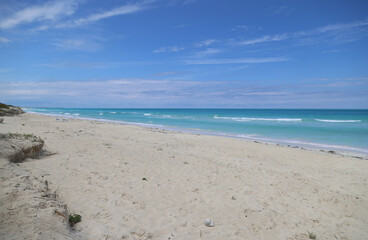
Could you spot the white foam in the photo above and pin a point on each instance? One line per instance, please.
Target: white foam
(337, 121)
(244, 119)
(113, 112)
(147, 114)
(76, 114)
(66, 113)
(100, 114)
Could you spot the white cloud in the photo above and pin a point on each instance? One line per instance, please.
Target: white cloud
(77, 44)
(54, 10)
(240, 27)
(332, 28)
(122, 10)
(207, 52)
(236, 60)
(180, 2)
(277, 37)
(48, 11)
(4, 40)
(170, 73)
(127, 92)
(169, 49)
(342, 26)
(132, 91)
(206, 43)
(334, 33)
(264, 93)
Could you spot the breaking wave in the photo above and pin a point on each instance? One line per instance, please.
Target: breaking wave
(337, 121)
(244, 119)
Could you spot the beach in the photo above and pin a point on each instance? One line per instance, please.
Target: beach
(134, 182)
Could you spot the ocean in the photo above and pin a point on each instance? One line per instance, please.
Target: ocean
(340, 130)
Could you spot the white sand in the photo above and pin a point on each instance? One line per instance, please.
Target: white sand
(250, 190)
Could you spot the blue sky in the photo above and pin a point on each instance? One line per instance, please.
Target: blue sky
(188, 53)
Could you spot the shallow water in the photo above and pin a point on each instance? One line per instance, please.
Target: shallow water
(345, 130)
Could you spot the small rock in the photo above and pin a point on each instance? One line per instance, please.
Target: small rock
(1, 120)
(209, 223)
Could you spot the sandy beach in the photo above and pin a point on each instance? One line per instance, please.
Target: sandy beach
(131, 182)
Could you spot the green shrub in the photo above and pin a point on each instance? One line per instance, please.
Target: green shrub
(74, 218)
(312, 235)
(2, 105)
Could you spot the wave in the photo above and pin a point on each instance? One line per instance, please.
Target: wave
(147, 114)
(244, 119)
(338, 121)
(76, 114)
(113, 112)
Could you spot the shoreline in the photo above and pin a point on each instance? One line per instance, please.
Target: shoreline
(132, 182)
(310, 146)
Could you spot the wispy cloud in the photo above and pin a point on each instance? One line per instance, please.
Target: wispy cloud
(263, 39)
(181, 26)
(207, 52)
(206, 43)
(180, 2)
(240, 27)
(52, 10)
(342, 26)
(169, 49)
(139, 92)
(280, 10)
(122, 10)
(334, 33)
(95, 65)
(127, 92)
(171, 73)
(78, 44)
(4, 40)
(236, 60)
(56, 10)
(331, 83)
(334, 51)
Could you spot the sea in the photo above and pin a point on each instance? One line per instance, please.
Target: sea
(323, 129)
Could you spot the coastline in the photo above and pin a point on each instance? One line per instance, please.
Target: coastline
(310, 146)
(250, 190)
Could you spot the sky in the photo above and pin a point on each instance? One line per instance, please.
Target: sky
(184, 53)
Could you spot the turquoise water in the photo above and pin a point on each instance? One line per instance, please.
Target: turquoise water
(345, 130)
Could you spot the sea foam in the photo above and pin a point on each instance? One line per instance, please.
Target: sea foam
(338, 121)
(244, 119)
